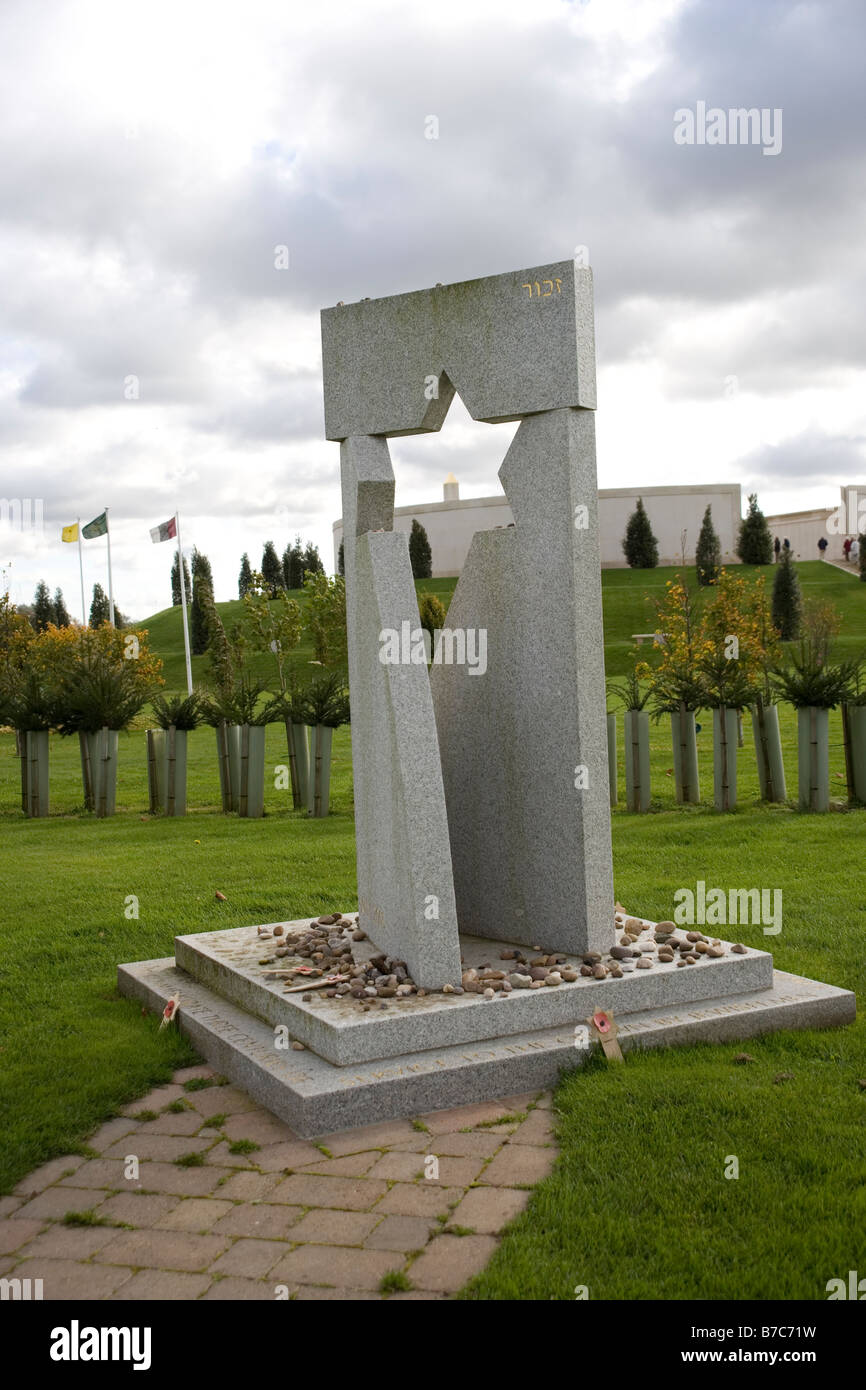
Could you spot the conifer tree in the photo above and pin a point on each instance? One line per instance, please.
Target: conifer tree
(639, 544)
(420, 554)
(787, 606)
(708, 555)
(755, 544)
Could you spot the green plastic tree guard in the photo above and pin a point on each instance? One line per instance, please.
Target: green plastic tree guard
(251, 801)
(301, 734)
(321, 739)
(685, 749)
(173, 777)
(725, 739)
(611, 758)
(155, 742)
(637, 760)
(768, 752)
(813, 760)
(855, 747)
(228, 758)
(103, 771)
(36, 757)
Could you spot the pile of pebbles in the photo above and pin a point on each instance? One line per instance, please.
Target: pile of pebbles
(325, 948)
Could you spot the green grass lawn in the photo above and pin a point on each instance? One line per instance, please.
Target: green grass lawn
(638, 1206)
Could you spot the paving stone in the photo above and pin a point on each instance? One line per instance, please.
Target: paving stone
(308, 1190)
(248, 1187)
(464, 1116)
(220, 1100)
(232, 1290)
(536, 1129)
(8, 1205)
(7, 1264)
(109, 1133)
(261, 1219)
(193, 1214)
(453, 1172)
(401, 1233)
(309, 1293)
(156, 1099)
(523, 1101)
(349, 1166)
(55, 1202)
(68, 1242)
(334, 1227)
(166, 1286)
(272, 1158)
(517, 1164)
(17, 1232)
(163, 1250)
(378, 1136)
(249, 1259)
(48, 1173)
(545, 1102)
(138, 1209)
(415, 1199)
(98, 1173)
(222, 1157)
(70, 1280)
(182, 1122)
(480, 1142)
(200, 1072)
(163, 1148)
(416, 1296)
(449, 1261)
(183, 1182)
(487, 1210)
(335, 1265)
(259, 1126)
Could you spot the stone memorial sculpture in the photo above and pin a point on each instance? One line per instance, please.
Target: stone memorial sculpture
(481, 800)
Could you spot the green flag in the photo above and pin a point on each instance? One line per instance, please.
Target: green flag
(97, 527)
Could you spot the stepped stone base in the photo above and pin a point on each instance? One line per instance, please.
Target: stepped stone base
(314, 1096)
(230, 964)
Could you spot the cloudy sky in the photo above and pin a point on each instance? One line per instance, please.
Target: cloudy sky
(153, 357)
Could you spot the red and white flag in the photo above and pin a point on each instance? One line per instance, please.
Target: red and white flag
(166, 532)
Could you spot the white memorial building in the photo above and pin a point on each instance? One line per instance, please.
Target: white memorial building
(451, 523)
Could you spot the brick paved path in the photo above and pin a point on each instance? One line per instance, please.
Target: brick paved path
(287, 1218)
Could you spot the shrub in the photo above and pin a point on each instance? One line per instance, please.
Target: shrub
(420, 554)
(708, 555)
(787, 599)
(182, 711)
(432, 613)
(325, 701)
(755, 544)
(812, 679)
(639, 544)
(202, 603)
(327, 618)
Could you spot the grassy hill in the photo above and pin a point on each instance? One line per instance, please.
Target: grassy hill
(625, 595)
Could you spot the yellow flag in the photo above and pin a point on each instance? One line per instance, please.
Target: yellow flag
(70, 533)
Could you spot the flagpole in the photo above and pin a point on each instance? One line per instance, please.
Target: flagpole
(183, 604)
(110, 585)
(81, 572)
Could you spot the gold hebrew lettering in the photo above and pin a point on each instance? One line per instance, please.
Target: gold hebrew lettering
(527, 287)
(547, 292)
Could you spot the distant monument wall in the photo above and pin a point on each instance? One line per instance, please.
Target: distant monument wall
(450, 525)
